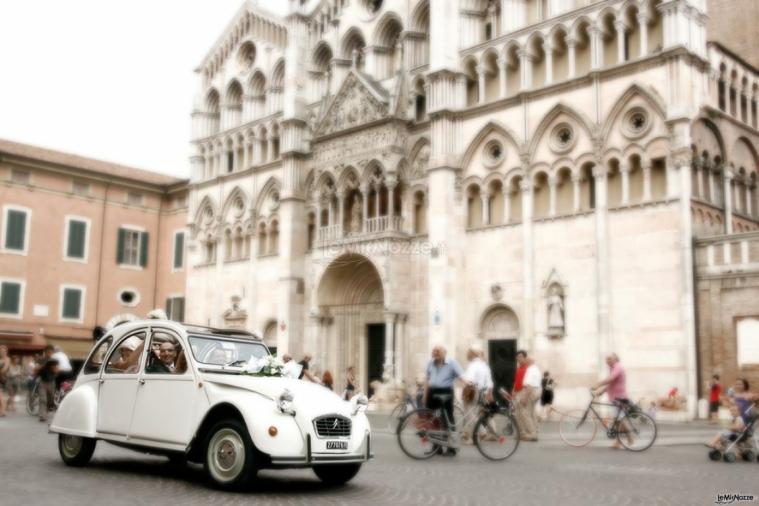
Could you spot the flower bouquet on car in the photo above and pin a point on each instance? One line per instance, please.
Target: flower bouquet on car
(264, 366)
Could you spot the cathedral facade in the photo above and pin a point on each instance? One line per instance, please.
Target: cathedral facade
(372, 177)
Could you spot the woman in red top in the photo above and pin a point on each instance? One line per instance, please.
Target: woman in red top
(715, 390)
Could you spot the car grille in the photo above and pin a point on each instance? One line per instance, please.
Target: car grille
(333, 426)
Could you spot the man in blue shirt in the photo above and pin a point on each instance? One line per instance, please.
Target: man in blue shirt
(442, 372)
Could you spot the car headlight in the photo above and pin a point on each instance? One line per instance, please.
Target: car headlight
(359, 403)
(285, 403)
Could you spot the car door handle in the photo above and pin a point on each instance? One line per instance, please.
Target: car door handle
(101, 381)
(141, 381)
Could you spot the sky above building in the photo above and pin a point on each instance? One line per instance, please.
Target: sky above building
(108, 79)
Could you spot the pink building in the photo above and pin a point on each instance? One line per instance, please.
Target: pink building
(82, 241)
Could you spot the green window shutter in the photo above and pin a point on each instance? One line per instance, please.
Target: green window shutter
(77, 238)
(120, 246)
(143, 249)
(179, 309)
(15, 230)
(179, 250)
(10, 298)
(72, 302)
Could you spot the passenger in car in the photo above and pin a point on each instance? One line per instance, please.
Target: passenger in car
(165, 363)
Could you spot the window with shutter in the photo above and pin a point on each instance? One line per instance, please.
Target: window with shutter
(15, 230)
(143, 249)
(175, 308)
(77, 239)
(132, 247)
(71, 306)
(179, 250)
(10, 298)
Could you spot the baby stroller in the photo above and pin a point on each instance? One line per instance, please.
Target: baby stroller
(744, 442)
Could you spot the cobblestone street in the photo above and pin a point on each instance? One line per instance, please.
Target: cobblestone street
(31, 473)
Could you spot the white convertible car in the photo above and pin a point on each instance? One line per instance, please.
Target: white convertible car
(183, 391)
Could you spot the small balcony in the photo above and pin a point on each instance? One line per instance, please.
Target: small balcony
(380, 227)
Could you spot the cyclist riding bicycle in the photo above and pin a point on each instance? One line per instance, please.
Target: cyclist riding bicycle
(616, 390)
(442, 372)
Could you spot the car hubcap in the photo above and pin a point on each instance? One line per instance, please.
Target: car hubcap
(226, 455)
(71, 445)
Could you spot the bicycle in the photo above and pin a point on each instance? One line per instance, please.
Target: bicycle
(634, 430)
(33, 397)
(406, 406)
(424, 432)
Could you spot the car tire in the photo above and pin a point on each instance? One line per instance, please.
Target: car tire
(75, 451)
(336, 474)
(229, 458)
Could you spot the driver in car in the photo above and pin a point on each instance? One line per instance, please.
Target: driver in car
(218, 357)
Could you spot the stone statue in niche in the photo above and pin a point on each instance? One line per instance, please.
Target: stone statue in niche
(356, 215)
(556, 316)
(235, 317)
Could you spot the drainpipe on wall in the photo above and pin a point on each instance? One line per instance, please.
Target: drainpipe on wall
(100, 263)
(157, 252)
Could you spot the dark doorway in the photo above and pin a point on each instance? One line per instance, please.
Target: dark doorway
(375, 350)
(502, 353)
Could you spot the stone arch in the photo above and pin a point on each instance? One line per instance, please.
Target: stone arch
(353, 39)
(206, 203)
(548, 120)
(236, 193)
(388, 28)
(490, 128)
(420, 17)
(499, 321)
(269, 191)
(621, 104)
(350, 279)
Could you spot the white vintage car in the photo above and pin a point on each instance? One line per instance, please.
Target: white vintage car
(183, 391)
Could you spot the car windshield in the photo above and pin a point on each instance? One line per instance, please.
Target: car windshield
(220, 351)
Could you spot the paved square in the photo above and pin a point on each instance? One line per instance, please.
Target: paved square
(31, 473)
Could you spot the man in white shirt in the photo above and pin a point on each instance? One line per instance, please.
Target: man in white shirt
(478, 372)
(64, 366)
(480, 380)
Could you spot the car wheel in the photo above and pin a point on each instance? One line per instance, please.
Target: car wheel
(75, 450)
(337, 474)
(229, 456)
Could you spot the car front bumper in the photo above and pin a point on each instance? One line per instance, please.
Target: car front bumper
(317, 458)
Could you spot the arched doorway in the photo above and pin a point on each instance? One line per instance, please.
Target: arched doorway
(500, 329)
(270, 336)
(351, 327)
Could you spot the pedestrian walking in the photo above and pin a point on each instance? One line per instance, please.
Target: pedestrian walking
(13, 381)
(715, 392)
(442, 373)
(350, 383)
(615, 386)
(480, 380)
(5, 364)
(47, 373)
(547, 385)
(526, 395)
(304, 372)
(327, 380)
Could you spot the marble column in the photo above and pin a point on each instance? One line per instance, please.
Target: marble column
(572, 54)
(643, 19)
(596, 48)
(525, 64)
(340, 213)
(548, 49)
(576, 180)
(646, 165)
(728, 195)
(388, 368)
(503, 70)
(485, 198)
(481, 74)
(528, 266)
(365, 203)
(621, 28)
(624, 172)
(552, 195)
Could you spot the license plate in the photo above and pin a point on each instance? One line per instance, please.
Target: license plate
(337, 445)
